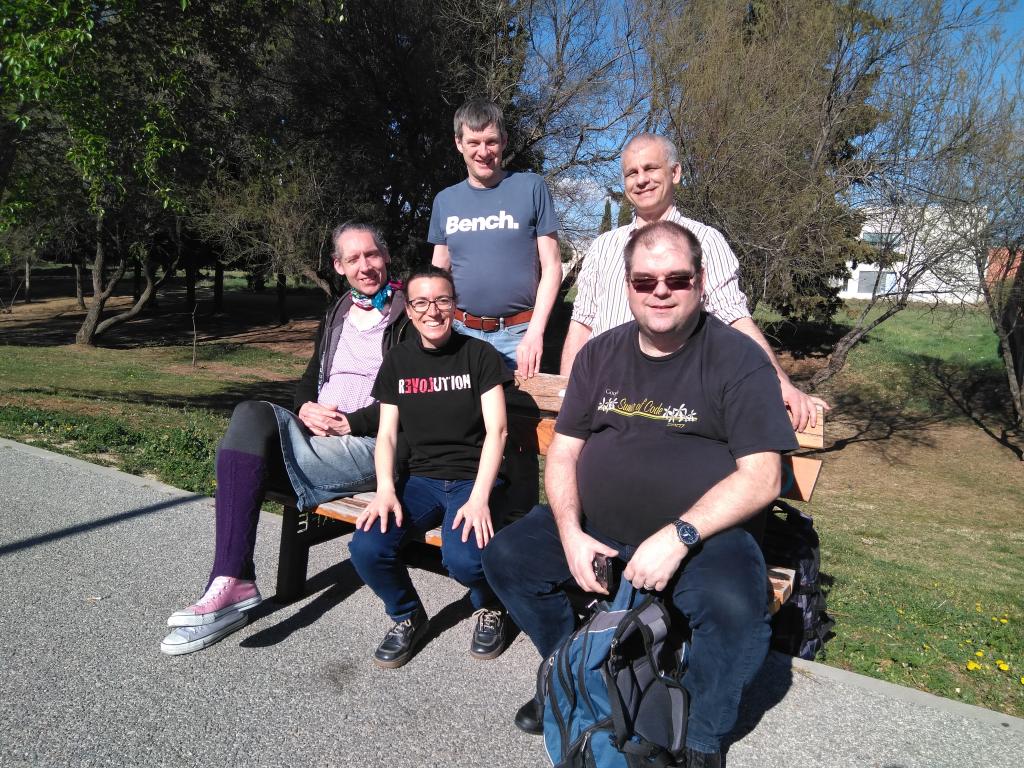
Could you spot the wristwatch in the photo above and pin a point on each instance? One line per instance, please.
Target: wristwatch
(687, 534)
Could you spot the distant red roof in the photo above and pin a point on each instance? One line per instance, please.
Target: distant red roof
(1001, 267)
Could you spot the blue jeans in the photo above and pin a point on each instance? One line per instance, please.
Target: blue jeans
(426, 503)
(506, 340)
(721, 589)
(324, 468)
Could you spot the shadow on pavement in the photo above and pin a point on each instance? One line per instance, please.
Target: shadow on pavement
(764, 693)
(74, 530)
(339, 582)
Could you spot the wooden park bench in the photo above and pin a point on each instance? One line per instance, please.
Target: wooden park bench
(533, 406)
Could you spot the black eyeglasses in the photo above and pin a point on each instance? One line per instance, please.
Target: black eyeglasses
(443, 304)
(672, 282)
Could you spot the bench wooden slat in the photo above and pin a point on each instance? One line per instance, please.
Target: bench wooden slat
(782, 580)
(799, 476)
(348, 511)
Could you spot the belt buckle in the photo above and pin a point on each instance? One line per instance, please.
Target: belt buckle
(498, 323)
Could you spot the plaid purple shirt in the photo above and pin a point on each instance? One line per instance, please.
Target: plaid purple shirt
(354, 368)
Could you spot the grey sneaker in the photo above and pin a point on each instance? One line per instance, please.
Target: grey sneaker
(489, 633)
(189, 639)
(399, 643)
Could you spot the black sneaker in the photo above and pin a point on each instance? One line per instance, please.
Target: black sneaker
(489, 633)
(399, 643)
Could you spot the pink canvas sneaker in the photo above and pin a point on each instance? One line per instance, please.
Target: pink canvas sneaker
(226, 594)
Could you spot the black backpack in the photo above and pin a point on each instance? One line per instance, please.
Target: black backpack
(802, 625)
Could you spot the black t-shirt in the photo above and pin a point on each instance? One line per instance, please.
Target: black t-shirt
(437, 392)
(661, 431)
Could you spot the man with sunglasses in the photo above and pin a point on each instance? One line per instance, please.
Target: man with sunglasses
(497, 232)
(666, 446)
(650, 173)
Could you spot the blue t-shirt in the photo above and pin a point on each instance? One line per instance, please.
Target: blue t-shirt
(491, 236)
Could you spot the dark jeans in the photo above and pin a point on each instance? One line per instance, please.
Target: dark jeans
(721, 589)
(426, 503)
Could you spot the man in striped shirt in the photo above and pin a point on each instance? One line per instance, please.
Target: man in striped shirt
(650, 172)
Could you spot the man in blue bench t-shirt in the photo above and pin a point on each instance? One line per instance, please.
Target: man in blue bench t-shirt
(497, 232)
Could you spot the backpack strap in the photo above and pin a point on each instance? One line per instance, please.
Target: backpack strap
(650, 619)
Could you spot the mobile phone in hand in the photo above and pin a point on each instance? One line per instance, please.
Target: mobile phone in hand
(603, 570)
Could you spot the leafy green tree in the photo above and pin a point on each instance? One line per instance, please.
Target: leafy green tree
(37, 38)
(606, 219)
(625, 215)
(765, 116)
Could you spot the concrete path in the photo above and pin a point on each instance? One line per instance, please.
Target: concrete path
(93, 560)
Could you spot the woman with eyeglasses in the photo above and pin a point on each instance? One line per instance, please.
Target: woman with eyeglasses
(445, 391)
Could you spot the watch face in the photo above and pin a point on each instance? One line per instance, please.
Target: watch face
(687, 533)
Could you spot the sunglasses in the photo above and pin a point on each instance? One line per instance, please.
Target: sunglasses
(443, 304)
(672, 282)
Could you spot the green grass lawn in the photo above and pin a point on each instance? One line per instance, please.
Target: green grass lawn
(918, 507)
(919, 510)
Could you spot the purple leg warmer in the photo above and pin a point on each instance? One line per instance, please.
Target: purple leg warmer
(241, 480)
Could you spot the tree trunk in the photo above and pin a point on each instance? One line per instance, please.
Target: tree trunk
(218, 287)
(190, 282)
(100, 293)
(1010, 330)
(28, 281)
(191, 266)
(79, 290)
(136, 280)
(317, 280)
(282, 298)
(1004, 299)
(837, 360)
(145, 296)
(87, 333)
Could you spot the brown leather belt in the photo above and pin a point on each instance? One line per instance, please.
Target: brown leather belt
(490, 324)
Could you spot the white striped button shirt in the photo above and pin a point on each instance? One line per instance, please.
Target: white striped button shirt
(601, 287)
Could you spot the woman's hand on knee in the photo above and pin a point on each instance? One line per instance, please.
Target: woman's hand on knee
(381, 508)
(475, 518)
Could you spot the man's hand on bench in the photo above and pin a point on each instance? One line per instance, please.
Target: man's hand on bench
(803, 408)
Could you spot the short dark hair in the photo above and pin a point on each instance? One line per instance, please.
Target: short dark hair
(649, 234)
(357, 226)
(429, 270)
(477, 114)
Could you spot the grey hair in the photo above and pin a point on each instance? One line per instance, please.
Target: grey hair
(657, 231)
(477, 114)
(358, 226)
(671, 154)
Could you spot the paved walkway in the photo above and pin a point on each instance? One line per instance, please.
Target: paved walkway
(93, 560)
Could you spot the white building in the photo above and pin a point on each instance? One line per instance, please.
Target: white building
(924, 254)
